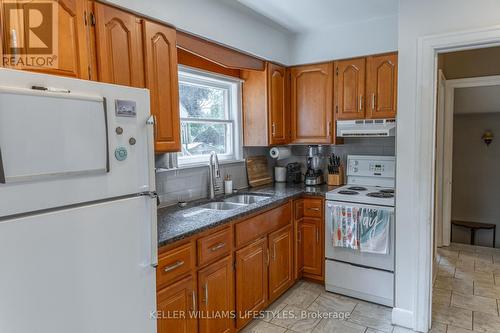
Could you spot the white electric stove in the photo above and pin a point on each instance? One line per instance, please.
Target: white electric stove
(369, 194)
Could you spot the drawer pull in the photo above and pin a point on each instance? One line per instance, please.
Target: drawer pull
(177, 264)
(217, 247)
(316, 209)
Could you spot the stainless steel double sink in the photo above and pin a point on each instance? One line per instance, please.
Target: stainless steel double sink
(235, 202)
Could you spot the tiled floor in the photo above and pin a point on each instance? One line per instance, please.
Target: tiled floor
(295, 312)
(466, 292)
(466, 299)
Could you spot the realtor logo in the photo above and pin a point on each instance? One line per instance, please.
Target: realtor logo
(31, 29)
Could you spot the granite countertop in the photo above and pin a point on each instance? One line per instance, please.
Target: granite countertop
(175, 223)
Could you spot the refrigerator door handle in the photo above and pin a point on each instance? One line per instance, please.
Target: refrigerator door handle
(154, 227)
(154, 235)
(151, 158)
(2, 173)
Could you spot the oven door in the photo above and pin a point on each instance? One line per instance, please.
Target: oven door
(357, 257)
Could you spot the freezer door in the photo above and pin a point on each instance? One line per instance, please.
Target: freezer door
(90, 143)
(79, 270)
(380, 261)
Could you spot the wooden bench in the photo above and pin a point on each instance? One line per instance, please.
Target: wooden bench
(473, 226)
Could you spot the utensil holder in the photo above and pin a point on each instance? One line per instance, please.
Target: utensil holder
(337, 178)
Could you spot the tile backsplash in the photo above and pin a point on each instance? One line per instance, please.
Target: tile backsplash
(188, 184)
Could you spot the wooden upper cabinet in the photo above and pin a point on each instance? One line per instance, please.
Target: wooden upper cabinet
(215, 291)
(265, 106)
(179, 297)
(119, 46)
(350, 88)
(312, 103)
(281, 262)
(70, 53)
(278, 128)
(381, 86)
(160, 56)
(251, 279)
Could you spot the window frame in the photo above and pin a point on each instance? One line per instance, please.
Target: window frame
(233, 109)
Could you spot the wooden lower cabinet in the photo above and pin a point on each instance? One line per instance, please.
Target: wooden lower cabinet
(298, 250)
(281, 262)
(174, 301)
(312, 245)
(227, 284)
(251, 280)
(216, 295)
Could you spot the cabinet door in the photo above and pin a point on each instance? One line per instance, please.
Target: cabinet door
(174, 304)
(281, 262)
(278, 129)
(251, 279)
(162, 81)
(311, 103)
(215, 290)
(119, 46)
(298, 250)
(70, 53)
(312, 244)
(381, 86)
(350, 86)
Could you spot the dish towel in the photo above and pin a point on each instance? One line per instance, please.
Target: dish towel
(345, 231)
(374, 230)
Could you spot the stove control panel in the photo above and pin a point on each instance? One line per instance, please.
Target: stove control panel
(371, 166)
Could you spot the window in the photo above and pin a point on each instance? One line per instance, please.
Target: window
(210, 115)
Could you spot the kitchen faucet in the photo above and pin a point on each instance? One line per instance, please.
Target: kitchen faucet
(213, 174)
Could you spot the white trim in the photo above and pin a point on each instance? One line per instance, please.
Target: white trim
(441, 194)
(402, 317)
(425, 125)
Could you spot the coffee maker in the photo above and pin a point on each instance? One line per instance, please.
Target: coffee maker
(314, 173)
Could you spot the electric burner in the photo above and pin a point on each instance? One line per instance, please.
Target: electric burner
(348, 192)
(380, 195)
(357, 188)
(387, 190)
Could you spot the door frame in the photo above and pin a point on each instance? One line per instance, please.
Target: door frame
(450, 86)
(428, 49)
(439, 240)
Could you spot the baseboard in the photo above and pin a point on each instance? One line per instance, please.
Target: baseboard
(402, 317)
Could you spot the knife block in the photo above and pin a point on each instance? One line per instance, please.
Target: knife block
(336, 179)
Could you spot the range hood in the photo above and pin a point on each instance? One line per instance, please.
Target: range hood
(366, 128)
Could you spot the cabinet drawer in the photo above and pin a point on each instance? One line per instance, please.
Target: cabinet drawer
(298, 209)
(174, 263)
(262, 224)
(313, 208)
(214, 246)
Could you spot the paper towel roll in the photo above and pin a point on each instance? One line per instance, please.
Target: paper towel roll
(280, 153)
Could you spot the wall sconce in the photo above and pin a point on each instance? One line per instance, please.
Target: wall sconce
(488, 137)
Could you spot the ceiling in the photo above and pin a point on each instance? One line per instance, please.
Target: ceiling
(298, 16)
(477, 100)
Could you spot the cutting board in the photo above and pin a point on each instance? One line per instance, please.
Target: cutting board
(257, 171)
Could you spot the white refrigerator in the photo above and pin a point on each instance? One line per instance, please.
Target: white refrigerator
(78, 243)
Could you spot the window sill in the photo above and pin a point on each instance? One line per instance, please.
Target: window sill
(197, 165)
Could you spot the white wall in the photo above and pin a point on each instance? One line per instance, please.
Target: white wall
(351, 40)
(223, 21)
(417, 19)
(476, 184)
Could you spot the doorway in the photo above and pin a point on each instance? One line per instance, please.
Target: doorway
(424, 142)
(467, 188)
